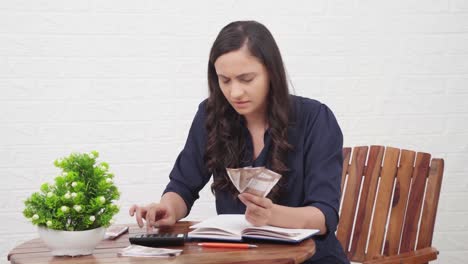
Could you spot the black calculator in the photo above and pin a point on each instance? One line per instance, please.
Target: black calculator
(158, 240)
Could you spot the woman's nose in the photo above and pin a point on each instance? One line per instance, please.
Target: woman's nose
(236, 90)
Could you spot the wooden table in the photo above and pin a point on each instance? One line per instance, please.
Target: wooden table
(35, 251)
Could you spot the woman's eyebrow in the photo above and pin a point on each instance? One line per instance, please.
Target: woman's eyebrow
(247, 74)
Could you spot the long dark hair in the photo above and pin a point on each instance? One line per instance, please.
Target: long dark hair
(225, 146)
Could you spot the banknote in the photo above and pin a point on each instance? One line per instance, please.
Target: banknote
(256, 180)
(246, 175)
(240, 177)
(234, 175)
(262, 183)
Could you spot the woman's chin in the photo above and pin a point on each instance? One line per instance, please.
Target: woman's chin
(242, 111)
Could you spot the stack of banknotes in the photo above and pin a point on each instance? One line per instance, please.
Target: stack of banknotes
(141, 251)
(255, 180)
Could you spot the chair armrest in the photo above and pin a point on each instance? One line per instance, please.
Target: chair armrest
(418, 256)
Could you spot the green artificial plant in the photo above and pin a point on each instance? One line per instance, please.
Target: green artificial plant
(82, 197)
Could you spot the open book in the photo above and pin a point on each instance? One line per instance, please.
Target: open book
(234, 227)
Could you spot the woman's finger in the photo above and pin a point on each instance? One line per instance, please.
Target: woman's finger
(253, 208)
(139, 217)
(256, 211)
(149, 219)
(244, 200)
(253, 220)
(132, 209)
(260, 201)
(165, 220)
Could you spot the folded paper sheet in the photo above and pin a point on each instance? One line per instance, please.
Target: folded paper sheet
(255, 180)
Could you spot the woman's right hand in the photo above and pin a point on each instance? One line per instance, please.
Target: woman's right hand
(155, 215)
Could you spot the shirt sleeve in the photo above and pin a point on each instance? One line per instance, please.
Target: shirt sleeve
(190, 174)
(323, 165)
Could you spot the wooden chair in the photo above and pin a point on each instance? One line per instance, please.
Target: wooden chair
(384, 191)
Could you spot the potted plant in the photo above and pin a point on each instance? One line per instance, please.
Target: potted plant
(73, 212)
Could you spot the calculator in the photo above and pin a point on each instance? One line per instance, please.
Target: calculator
(158, 240)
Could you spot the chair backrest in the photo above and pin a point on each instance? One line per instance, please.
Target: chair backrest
(387, 192)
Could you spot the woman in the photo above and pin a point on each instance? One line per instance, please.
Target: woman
(250, 119)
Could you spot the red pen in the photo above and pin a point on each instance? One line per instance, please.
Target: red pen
(227, 245)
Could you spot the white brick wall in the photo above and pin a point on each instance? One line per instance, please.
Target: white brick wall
(125, 78)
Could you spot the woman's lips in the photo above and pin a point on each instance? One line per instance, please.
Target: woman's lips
(241, 104)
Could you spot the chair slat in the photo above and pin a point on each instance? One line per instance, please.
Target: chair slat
(385, 190)
(400, 198)
(431, 201)
(366, 203)
(415, 182)
(355, 172)
(346, 158)
(413, 211)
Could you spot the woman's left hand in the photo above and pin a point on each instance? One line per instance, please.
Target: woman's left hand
(259, 209)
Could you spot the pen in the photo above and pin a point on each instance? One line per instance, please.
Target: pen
(227, 245)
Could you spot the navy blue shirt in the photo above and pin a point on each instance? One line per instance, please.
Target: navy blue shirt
(314, 176)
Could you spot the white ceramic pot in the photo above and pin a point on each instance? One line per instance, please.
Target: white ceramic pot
(71, 243)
